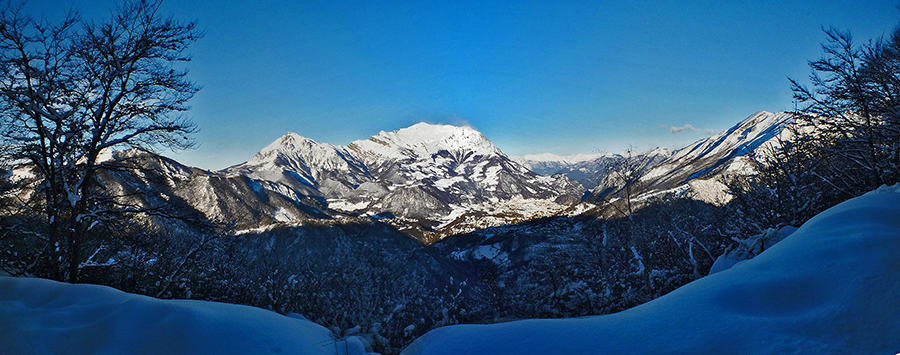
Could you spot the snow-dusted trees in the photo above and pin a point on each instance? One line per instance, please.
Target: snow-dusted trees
(787, 188)
(624, 175)
(844, 140)
(73, 90)
(361, 279)
(853, 111)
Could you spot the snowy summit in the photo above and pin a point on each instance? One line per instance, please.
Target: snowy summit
(425, 139)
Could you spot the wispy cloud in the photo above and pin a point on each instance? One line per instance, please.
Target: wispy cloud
(687, 127)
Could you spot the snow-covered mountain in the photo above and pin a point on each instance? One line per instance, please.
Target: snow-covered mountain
(434, 180)
(590, 170)
(305, 166)
(424, 140)
(154, 181)
(433, 176)
(695, 168)
(699, 166)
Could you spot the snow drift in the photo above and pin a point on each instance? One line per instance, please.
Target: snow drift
(829, 288)
(47, 317)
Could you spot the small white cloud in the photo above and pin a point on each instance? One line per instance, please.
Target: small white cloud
(687, 127)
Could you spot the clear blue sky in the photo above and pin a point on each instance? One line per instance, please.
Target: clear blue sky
(533, 76)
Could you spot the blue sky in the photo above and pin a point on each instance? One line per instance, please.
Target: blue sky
(533, 76)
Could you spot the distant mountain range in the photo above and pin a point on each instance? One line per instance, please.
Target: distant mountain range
(588, 169)
(435, 180)
(696, 169)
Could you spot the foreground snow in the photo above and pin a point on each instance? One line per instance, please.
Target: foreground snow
(829, 288)
(46, 317)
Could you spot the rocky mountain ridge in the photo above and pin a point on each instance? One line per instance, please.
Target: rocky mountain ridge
(427, 173)
(435, 180)
(700, 168)
(430, 180)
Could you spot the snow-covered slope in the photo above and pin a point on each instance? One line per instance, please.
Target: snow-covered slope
(698, 165)
(831, 287)
(695, 168)
(46, 317)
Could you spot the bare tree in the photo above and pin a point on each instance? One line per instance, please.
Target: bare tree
(625, 175)
(854, 111)
(72, 90)
(789, 184)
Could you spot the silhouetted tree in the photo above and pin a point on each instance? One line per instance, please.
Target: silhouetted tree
(72, 90)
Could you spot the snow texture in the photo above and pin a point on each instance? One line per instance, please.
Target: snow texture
(46, 317)
(831, 287)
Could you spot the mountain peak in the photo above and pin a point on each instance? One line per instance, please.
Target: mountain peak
(429, 132)
(293, 140)
(290, 144)
(436, 128)
(424, 139)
